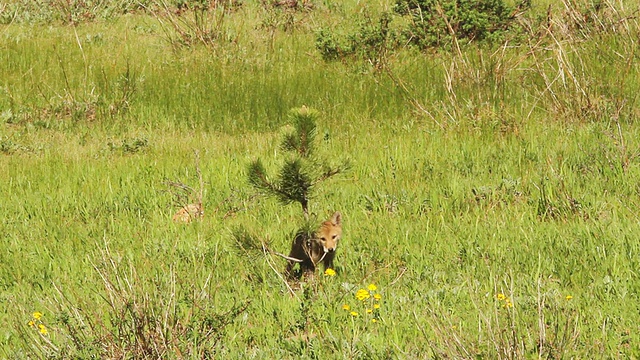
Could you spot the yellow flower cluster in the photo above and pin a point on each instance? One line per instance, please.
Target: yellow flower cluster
(362, 295)
(507, 302)
(371, 306)
(36, 322)
(330, 272)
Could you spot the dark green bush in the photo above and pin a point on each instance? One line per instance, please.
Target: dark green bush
(332, 47)
(435, 23)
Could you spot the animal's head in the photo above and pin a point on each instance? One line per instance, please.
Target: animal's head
(330, 232)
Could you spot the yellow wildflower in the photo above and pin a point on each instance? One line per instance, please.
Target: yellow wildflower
(362, 294)
(37, 315)
(346, 307)
(42, 329)
(374, 320)
(569, 297)
(32, 323)
(330, 272)
(376, 306)
(372, 287)
(369, 311)
(377, 296)
(501, 296)
(353, 313)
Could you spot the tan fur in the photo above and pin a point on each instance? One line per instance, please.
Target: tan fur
(188, 212)
(320, 248)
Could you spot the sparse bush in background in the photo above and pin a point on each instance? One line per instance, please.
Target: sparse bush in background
(331, 46)
(195, 22)
(549, 45)
(289, 4)
(285, 15)
(565, 73)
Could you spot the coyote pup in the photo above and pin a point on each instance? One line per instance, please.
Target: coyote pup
(310, 249)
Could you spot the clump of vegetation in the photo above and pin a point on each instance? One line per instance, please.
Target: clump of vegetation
(195, 22)
(431, 24)
(436, 23)
(7, 146)
(302, 171)
(143, 320)
(370, 42)
(129, 145)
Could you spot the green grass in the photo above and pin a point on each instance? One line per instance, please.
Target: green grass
(521, 178)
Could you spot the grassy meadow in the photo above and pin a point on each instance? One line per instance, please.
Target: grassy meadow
(490, 209)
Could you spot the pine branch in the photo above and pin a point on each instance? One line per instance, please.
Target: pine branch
(290, 143)
(301, 141)
(295, 184)
(329, 172)
(258, 178)
(306, 129)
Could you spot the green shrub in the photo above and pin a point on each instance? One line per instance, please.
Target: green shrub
(332, 47)
(435, 23)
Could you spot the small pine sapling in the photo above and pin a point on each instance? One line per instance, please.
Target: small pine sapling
(300, 173)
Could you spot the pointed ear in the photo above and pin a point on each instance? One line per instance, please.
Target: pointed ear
(336, 219)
